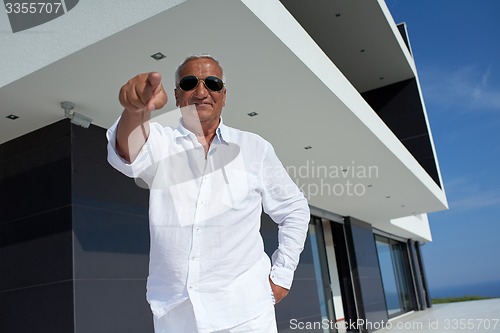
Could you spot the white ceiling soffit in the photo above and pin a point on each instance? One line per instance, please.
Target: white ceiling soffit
(88, 22)
(273, 68)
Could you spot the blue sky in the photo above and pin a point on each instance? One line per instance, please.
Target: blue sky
(457, 52)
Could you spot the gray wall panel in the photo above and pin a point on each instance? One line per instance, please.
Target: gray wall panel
(41, 309)
(105, 306)
(36, 250)
(109, 244)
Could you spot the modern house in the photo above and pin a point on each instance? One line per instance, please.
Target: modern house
(332, 84)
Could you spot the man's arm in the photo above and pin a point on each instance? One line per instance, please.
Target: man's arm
(287, 206)
(139, 97)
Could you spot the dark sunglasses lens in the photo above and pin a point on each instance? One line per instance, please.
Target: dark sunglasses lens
(188, 83)
(214, 83)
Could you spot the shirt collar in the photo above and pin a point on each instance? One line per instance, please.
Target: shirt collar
(221, 133)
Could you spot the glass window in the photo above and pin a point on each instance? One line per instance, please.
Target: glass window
(394, 275)
(313, 237)
(308, 300)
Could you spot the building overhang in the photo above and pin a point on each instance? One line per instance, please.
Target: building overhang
(274, 68)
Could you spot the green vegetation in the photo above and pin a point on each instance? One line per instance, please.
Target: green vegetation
(458, 299)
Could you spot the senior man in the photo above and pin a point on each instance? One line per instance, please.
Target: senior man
(208, 182)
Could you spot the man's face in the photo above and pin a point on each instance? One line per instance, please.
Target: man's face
(208, 103)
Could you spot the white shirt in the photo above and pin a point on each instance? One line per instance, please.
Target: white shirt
(205, 218)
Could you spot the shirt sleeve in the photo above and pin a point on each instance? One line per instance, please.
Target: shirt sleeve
(287, 206)
(144, 165)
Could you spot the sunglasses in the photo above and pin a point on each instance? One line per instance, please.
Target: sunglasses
(190, 82)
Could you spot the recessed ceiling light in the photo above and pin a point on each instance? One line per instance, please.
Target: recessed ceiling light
(388, 197)
(12, 117)
(381, 78)
(158, 56)
(307, 147)
(337, 15)
(362, 50)
(252, 114)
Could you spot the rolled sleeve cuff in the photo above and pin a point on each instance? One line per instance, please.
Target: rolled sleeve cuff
(282, 276)
(133, 169)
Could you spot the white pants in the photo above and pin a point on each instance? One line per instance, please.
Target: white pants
(181, 319)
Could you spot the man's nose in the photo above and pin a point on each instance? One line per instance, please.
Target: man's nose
(200, 90)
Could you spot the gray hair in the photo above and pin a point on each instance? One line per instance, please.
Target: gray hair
(195, 57)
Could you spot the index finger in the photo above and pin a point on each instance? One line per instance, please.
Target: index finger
(158, 97)
(154, 80)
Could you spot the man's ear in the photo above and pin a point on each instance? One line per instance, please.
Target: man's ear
(176, 97)
(224, 97)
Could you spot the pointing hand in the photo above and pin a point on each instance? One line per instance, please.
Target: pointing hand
(144, 92)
